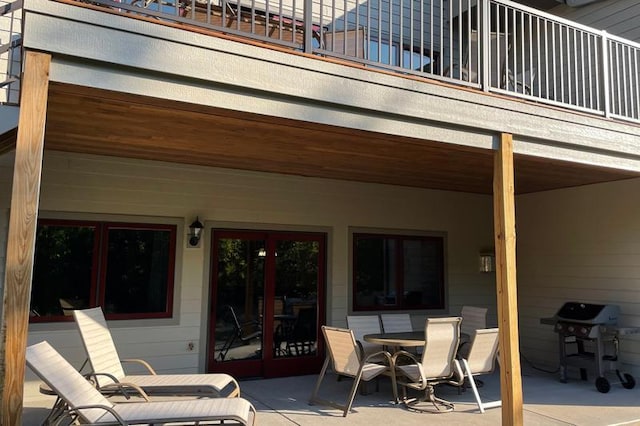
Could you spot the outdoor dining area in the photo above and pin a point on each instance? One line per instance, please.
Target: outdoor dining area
(414, 360)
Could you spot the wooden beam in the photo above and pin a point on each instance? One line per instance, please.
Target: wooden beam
(505, 241)
(22, 230)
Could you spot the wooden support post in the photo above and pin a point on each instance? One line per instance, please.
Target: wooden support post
(22, 230)
(505, 241)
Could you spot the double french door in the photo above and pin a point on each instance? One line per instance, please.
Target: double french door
(267, 303)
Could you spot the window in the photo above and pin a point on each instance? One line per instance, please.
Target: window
(412, 57)
(397, 272)
(127, 269)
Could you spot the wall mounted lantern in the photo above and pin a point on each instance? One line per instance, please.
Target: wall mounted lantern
(487, 262)
(195, 233)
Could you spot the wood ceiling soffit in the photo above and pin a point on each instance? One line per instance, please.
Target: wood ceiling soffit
(156, 129)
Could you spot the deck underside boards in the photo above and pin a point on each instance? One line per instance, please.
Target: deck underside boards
(107, 123)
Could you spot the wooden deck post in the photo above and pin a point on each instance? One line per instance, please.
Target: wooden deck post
(505, 241)
(22, 230)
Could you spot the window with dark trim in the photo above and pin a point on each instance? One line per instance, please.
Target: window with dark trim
(397, 272)
(126, 268)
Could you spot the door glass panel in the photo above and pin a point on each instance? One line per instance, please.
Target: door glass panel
(296, 298)
(240, 289)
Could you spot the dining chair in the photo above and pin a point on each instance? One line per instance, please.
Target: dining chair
(302, 339)
(362, 325)
(473, 318)
(436, 365)
(346, 359)
(481, 360)
(398, 323)
(394, 323)
(243, 333)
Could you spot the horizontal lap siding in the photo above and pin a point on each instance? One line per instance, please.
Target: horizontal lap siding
(619, 17)
(580, 244)
(102, 185)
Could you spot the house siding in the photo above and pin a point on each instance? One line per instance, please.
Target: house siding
(81, 185)
(580, 244)
(4, 230)
(619, 17)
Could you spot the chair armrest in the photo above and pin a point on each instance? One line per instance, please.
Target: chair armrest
(116, 386)
(386, 354)
(125, 389)
(405, 354)
(458, 374)
(119, 419)
(141, 362)
(414, 360)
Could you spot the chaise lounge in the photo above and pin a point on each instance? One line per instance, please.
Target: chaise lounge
(111, 377)
(85, 404)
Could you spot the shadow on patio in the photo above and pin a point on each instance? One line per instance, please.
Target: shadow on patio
(547, 402)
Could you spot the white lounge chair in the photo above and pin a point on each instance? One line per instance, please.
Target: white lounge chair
(86, 404)
(106, 363)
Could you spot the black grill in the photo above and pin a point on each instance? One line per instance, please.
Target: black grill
(588, 338)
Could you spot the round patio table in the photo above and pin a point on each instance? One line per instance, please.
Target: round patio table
(400, 339)
(403, 339)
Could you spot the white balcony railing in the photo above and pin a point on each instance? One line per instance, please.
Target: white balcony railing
(10, 51)
(492, 45)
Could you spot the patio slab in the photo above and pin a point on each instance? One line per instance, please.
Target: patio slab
(547, 402)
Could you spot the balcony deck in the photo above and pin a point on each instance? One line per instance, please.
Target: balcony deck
(491, 45)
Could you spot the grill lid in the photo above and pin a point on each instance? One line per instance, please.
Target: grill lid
(588, 313)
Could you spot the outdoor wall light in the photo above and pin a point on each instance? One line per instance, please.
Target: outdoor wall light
(487, 262)
(195, 232)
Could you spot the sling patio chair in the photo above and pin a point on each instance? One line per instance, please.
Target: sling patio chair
(480, 360)
(436, 365)
(111, 377)
(396, 323)
(473, 318)
(85, 404)
(347, 359)
(243, 333)
(362, 325)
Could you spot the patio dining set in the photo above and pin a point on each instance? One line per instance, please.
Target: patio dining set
(450, 350)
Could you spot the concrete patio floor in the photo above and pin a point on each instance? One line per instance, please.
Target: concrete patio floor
(547, 402)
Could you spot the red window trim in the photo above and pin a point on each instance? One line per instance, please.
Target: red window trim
(99, 263)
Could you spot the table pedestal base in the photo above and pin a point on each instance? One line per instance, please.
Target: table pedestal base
(430, 404)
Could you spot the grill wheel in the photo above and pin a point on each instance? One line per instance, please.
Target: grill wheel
(602, 385)
(629, 382)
